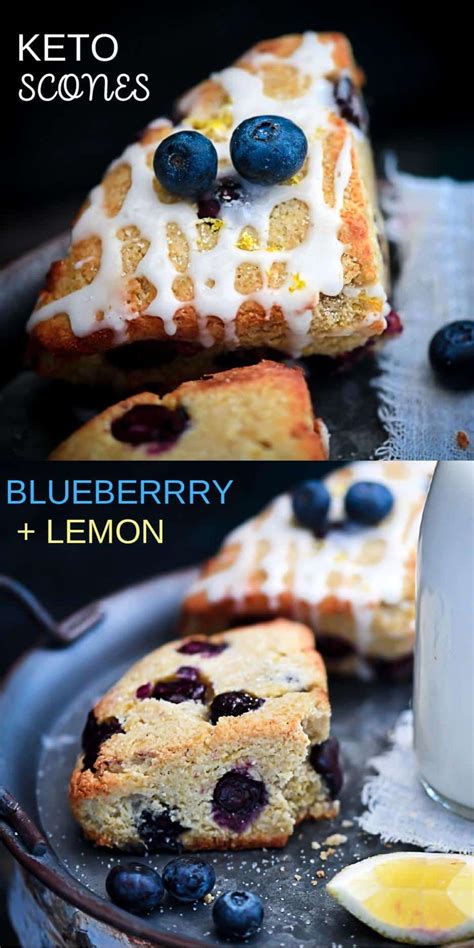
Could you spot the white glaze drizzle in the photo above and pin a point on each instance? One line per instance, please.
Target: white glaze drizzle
(317, 261)
(365, 586)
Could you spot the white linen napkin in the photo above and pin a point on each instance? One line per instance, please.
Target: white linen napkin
(432, 223)
(399, 810)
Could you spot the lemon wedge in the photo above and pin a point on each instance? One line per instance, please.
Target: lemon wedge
(414, 898)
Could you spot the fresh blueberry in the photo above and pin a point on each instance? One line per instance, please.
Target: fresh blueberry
(325, 760)
(237, 914)
(188, 879)
(350, 102)
(311, 501)
(368, 502)
(268, 149)
(158, 831)
(237, 800)
(451, 354)
(94, 735)
(135, 887)
(202, 647)
(145, 424)
(186, 163)
(233, 704)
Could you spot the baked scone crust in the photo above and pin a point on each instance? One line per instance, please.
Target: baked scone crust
(260, 412)
(170, 757)
(297, 267)
(354, 586)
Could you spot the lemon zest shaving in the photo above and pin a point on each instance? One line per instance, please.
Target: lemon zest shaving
(297, 284)
(214, 223)
(247, 242)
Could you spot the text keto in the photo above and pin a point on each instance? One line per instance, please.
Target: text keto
(68, 86)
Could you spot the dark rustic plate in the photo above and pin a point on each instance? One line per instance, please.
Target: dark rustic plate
(43, 707)
(37, 414)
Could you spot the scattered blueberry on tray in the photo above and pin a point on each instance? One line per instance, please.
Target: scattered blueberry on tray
(451, 354)
(188, 878)
(237, 914)
(135, 887)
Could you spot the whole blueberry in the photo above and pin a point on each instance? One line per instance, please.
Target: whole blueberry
(186, 163)
(188, 879)
(135, 887)
(237, 914)
(368, 502)
(233, 704)
(325, 760)
(451, 354)
(311, 501)
(268, 149)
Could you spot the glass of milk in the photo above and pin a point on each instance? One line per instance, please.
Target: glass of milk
(444, 655)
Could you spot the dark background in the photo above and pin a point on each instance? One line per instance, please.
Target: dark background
(418, 62)
(65, 578)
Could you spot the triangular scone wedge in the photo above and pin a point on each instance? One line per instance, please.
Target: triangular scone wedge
(261, 412)
(219, 743)
(355, 586)
(295, 267)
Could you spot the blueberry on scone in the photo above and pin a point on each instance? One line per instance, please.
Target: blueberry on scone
(186, 163)
(268, 149)
(311, 501)
(368, 502)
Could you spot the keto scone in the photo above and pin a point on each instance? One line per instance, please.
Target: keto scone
(260, 412)
(210, 743)
(353, 584)
(157, 286)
